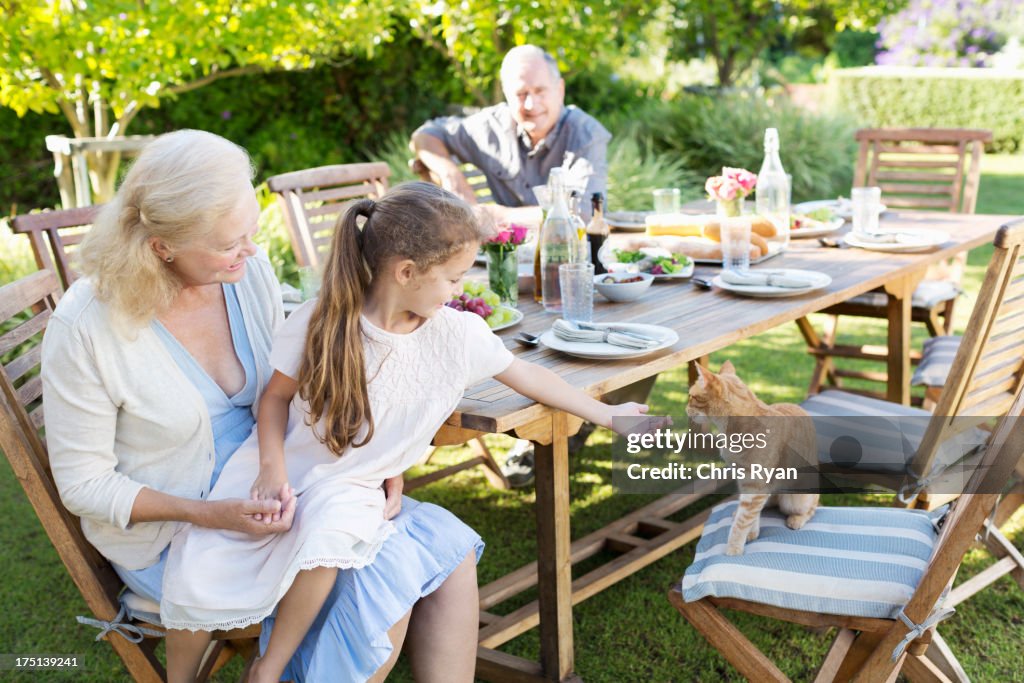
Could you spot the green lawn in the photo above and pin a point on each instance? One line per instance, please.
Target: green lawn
(627, 633)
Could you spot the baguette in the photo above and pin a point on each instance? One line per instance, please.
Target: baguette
(714, 232)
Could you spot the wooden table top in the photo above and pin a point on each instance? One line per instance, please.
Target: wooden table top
(708, 321)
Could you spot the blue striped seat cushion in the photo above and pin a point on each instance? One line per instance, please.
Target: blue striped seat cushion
(936, 361)
(927, 295)
(862, 562)
(885, 435)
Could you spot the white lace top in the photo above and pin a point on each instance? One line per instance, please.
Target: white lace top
(219, 579)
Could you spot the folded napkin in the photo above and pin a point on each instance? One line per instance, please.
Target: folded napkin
(570, 332)
(766, 278)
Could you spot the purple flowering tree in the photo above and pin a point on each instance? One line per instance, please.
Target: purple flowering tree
(945, 32)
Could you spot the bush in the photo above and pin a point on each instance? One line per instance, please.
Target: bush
(855, 48)
(708, 132)
(935, 98)
(635, 169)
(26, 168)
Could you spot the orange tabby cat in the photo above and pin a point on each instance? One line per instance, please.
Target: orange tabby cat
(727, 402)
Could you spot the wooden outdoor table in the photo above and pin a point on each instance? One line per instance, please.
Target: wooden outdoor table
(706, 321)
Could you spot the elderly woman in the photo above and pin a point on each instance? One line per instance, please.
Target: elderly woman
(153, 366)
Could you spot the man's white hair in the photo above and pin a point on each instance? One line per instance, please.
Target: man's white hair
(527, 53)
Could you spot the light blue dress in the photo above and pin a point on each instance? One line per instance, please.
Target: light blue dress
(348, 640)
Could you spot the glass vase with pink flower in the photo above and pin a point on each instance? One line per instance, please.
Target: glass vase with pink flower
(730, 189)
(503, 263)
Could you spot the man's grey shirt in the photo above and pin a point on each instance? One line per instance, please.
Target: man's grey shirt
(492, 141)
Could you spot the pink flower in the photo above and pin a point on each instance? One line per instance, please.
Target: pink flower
(519, 233)
(722, 189)
(502, 237)
(745, 178)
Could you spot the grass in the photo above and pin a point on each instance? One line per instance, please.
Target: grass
(626, 633)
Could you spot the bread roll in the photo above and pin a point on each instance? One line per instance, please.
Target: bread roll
(762, 226)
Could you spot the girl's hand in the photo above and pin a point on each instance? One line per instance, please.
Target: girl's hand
(637, 419)
(393, 496)
(237, 514)
(271, 484)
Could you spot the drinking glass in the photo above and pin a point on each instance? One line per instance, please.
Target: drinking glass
(577, 284)
(309, 282)
(736, 243)
(866, 203)
(666, 200)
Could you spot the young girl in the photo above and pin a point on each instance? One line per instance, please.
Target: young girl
(364, 377)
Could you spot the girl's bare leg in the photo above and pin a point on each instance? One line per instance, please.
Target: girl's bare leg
(185, 650)
(295, 613)
(443, 630)
(396, 634)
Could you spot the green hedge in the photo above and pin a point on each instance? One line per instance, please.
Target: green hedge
(935, 98)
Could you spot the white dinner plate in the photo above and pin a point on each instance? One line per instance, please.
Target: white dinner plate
(910, 239)
(818, 279)
(841, 208)
(605, 351)
(826, 229)
(517, 317)
(627, 220)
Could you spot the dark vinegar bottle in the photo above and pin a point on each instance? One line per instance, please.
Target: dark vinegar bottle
(597, 233)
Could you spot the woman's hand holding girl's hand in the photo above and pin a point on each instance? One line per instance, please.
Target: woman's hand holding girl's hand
(639, 421)
(393, 496)
(270, 484)
(238, 514)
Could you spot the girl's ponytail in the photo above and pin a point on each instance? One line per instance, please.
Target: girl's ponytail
(332, 376)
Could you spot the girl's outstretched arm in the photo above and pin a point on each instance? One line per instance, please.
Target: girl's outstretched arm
(271, 422)
(544, 386)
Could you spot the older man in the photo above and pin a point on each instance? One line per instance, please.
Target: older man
(516, 143)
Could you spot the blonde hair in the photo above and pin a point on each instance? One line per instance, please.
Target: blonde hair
(416, 221)
(182, 184)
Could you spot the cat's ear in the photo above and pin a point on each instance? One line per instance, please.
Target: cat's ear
(703, 374)
(727, 368)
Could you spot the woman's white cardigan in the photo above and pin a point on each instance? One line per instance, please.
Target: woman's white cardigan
(120, 415)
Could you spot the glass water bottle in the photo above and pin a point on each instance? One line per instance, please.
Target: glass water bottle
(773, 191)
(558, 242)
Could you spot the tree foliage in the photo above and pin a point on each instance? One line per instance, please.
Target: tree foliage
(99, 62)
(474, 35)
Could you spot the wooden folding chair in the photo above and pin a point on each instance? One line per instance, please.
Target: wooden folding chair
(25, 309)
(865, 648)
(985, 377)
(54, 236)
(916, 168)
(311, 201)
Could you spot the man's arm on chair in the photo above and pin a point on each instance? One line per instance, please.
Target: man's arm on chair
(432, 151)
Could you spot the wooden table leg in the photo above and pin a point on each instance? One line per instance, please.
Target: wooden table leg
(900, 293)
(554, 564)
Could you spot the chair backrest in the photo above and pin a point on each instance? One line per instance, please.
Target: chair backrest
(474, 176)
(988, 371)
(313, 199)
(55, 235)
(922, 168)
(959, 531)
(25, 309)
